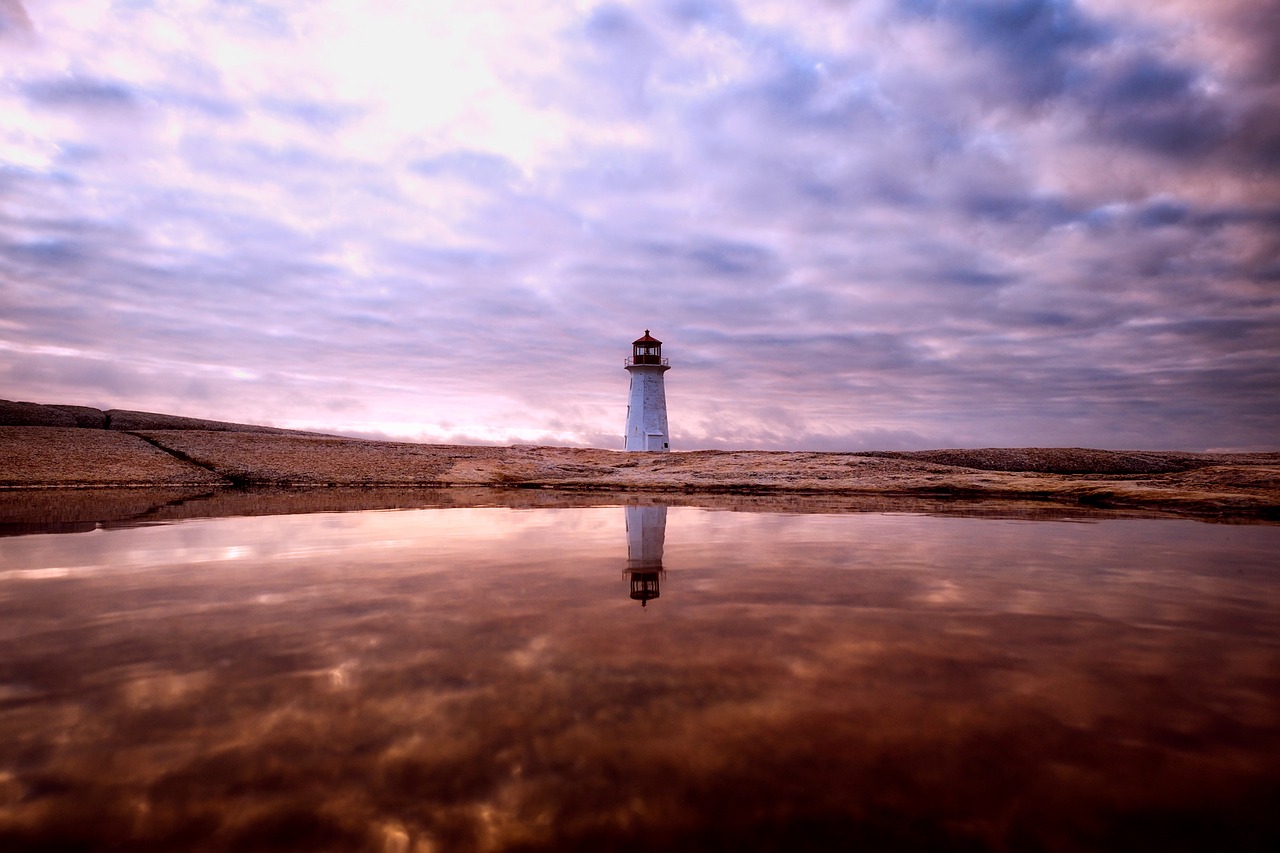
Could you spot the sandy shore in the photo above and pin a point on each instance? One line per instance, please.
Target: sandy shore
(1245, 486)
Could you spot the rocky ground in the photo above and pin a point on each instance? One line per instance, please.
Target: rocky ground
(138, 449)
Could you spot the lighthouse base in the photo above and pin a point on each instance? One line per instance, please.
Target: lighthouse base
(647, 410)
(654, 442)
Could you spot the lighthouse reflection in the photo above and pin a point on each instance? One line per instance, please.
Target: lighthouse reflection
(646, 530)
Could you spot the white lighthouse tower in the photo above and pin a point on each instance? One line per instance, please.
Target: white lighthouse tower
(647, 404)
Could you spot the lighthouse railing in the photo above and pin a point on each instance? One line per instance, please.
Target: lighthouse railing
(646, 359)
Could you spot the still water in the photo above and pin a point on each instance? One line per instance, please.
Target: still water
(641, 677)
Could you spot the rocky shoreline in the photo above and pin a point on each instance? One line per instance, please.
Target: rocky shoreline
(165, 452)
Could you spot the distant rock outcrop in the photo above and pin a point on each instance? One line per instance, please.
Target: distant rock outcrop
(129, 421)
(33, 414)
(86, 416)
(17, 413)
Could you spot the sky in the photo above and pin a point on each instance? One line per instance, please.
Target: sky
(860, 225)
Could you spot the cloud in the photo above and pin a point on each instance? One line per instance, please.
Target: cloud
(315, 115)
(1037, 44)
(80, 93)
(939, 220)
(14, 20)
(477, 167)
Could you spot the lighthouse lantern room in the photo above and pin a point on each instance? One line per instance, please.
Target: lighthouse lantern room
(647, 403)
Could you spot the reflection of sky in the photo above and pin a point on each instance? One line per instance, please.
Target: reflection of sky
(891, 223)
(421, 538)
(479, 679)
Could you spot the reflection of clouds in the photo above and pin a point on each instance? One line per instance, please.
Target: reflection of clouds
(474, 689)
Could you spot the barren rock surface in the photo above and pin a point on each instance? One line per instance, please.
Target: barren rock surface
(1072, 460)
(71, 456)
(1223, 485)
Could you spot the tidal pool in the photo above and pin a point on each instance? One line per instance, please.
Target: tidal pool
(641, 678)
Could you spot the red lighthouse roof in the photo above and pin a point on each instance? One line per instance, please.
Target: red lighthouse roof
(646, 339)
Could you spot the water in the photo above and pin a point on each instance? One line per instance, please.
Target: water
(484, 679)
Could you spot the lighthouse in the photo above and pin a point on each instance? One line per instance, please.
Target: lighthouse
(647, 403)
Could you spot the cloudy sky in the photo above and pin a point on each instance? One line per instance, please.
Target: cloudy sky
(855, 225)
